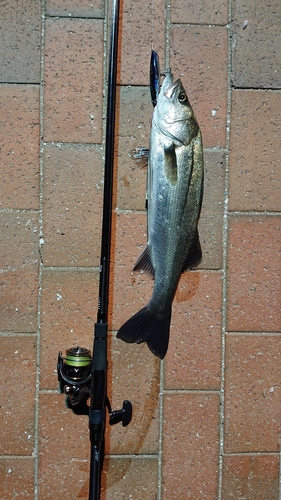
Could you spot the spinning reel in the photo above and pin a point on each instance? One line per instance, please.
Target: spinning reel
(75, 379)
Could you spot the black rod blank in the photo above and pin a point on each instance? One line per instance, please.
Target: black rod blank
(108, 166)
(98, 396)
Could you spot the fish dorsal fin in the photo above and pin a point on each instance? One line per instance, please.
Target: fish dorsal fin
(144, 262)
(194, 255)
(170, 165)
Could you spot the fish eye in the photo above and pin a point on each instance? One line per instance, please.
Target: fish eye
(182, 97)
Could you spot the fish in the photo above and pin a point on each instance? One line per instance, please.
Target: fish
(175, 192)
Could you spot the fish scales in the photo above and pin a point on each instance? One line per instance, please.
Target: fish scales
(175, 190)
(177, 220)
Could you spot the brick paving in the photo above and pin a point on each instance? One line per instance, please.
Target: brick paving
(206, 421)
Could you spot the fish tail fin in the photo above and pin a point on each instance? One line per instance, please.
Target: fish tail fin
(150, 327)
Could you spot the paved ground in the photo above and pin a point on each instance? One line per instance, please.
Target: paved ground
(206, 421)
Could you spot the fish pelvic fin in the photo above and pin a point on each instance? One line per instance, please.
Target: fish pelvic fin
(150, 327)
(144, 262)
(194, 255)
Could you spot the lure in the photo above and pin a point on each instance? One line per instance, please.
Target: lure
(154, 77)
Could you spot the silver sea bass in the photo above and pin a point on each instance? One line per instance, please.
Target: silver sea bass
(175, 190)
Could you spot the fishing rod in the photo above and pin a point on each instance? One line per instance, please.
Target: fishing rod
(81, 375)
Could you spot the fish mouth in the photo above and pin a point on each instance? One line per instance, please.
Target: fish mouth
(169, 86)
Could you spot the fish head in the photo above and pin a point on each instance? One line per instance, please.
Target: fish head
(173, 112)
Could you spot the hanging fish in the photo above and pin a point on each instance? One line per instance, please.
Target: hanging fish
(175, 190)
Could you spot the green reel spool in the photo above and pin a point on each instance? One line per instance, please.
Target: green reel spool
(77, 363)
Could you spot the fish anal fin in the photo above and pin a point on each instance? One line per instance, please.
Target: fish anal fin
(144, 262)
(194, 255)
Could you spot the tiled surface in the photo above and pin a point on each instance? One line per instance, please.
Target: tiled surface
(19, 137)
(194, 357)
(254, 274)
(206, 421)
(17, 410)
(65, 477)
(20, 41)
(256, 52)
(130, 478)
(17, 478)
(199, 53)
(211, 218)
(73, 80)
(251, 476)
(19, 271)
(191, 426)
(254, 164)
(201, 12)
(73, 189)
(75, 8)
(253, 373)
(58, 426)
(144, 23)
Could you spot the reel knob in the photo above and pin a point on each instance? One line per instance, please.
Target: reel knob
(124, 415)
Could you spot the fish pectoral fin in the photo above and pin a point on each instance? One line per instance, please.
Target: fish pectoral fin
(194, 255)
(170, 164)
(144, 262)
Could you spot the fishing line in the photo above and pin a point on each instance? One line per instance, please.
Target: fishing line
(151, 38)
